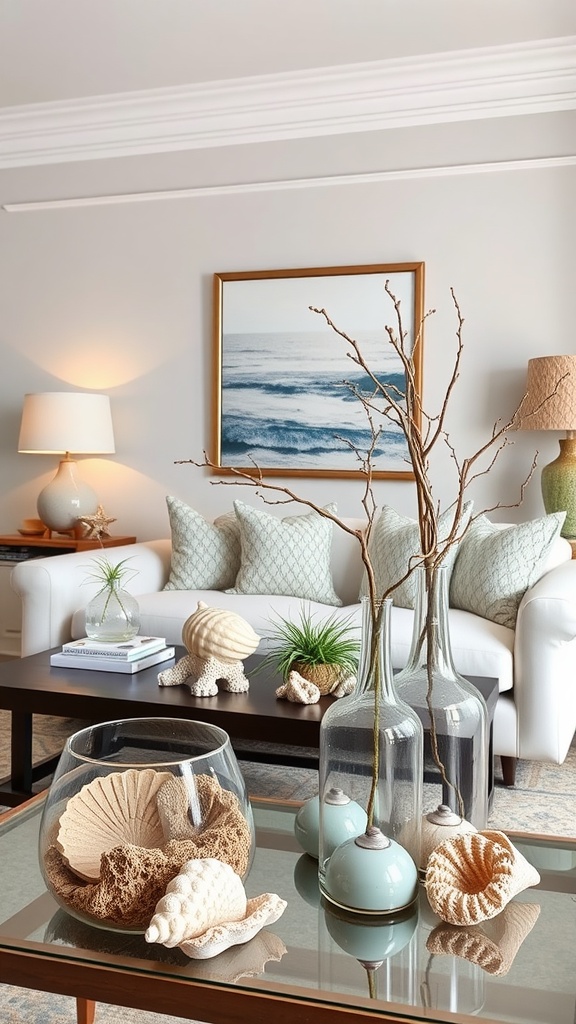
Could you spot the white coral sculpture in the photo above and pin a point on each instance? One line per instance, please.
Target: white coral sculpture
(217, 641)
(205, 910)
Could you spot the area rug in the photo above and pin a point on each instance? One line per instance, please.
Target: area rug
(543, 800)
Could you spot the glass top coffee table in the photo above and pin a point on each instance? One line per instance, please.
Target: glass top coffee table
(311, 965)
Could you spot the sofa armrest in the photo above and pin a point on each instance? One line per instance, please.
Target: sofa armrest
(545, 666)
(51, 589)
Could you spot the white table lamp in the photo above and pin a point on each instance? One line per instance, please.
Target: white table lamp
(61, 422)
(551, 405)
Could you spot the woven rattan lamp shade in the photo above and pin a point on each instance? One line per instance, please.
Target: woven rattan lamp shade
(550, 394)
(551, 405)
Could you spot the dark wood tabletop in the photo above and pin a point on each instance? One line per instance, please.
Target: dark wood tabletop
(31, 686)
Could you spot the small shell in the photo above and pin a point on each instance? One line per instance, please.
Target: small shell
(214, 632)
(205, 893)
(472, 877)
(299, 690)
(113, 810)
(491, 945)
(261, 911)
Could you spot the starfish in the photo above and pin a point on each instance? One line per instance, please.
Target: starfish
(97, 524)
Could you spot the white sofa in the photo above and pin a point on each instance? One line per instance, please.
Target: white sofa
(535, 664)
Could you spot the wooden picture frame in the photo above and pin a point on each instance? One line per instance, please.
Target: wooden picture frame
(281, 404)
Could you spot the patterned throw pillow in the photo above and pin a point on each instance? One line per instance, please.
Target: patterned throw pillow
(495, 566)
(288, 556)
(205, 556)
(395, 540)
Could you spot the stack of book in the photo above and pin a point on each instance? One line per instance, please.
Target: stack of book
(125, 656)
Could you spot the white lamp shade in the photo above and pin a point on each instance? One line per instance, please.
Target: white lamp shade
(54, 422)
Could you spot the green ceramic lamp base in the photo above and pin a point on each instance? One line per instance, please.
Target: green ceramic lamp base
(559, 485)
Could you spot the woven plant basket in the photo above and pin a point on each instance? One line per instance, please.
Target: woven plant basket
(325, 677)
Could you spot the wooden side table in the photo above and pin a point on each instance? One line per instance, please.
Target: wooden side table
(14, 548)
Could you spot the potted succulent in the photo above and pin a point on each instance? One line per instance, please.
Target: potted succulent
(113, 613)
(324, 651)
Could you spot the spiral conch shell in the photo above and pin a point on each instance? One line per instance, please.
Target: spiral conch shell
(214, 632)
(205, 910)
(471, 877)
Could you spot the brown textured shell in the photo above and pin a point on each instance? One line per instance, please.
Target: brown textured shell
(471, 877)
(217, 633)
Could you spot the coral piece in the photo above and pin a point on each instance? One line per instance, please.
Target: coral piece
(112, 810)
(216, 633)
(491, 945)
(206, 892)
(202, 675)
(298, 690)
(260, 911)
(471, 877)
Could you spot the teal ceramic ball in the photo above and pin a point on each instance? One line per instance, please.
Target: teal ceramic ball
(371, 881)
(341, 821)
(372, 940)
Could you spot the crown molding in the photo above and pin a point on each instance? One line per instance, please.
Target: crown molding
(291, 184)
(515, 79)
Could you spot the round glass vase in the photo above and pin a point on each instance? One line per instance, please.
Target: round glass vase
(452, 710)
(131, 801)
(371, 752)
(113, 615)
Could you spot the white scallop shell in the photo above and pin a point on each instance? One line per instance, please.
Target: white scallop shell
(206, 892)
(110, 811)
(215, 632)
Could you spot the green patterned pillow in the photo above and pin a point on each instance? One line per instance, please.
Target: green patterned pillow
(205, 556)
(288, 556)
(495, 566)
(394, 541)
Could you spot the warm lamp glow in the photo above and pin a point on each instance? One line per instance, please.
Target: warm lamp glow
(60, 422)
(551, 405)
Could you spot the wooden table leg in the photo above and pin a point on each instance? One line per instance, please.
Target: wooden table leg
(85, 1010)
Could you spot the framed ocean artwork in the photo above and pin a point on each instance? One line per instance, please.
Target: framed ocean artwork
(283, 401)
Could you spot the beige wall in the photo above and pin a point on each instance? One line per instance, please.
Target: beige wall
(118, 297)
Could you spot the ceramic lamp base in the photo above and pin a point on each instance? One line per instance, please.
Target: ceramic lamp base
(559, 485)
(66, 498)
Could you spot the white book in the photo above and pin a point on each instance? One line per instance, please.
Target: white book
(105, 664)
(124, 650)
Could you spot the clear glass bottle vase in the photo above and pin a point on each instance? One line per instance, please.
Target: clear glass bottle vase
(452, 710)
(371, 753)
(113, 615)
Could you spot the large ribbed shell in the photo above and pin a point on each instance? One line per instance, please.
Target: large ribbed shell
(206, 892)
(110, 811)
(217, 633)
(471, 877)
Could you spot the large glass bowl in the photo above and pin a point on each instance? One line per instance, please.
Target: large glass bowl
(130, 803)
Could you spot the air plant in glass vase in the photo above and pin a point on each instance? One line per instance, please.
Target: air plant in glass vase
(113, 614)
(371, 743)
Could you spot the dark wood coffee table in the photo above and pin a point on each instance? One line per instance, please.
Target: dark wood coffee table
(30, 686)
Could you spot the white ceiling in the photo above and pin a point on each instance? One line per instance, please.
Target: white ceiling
(63, 49)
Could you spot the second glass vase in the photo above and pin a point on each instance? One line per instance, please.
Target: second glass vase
(452, 710)
(371, 752)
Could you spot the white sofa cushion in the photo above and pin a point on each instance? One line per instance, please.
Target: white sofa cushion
(494, 566)
(289, 556)
(205, 556)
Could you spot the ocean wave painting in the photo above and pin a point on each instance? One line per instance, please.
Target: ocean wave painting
(285, 404)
